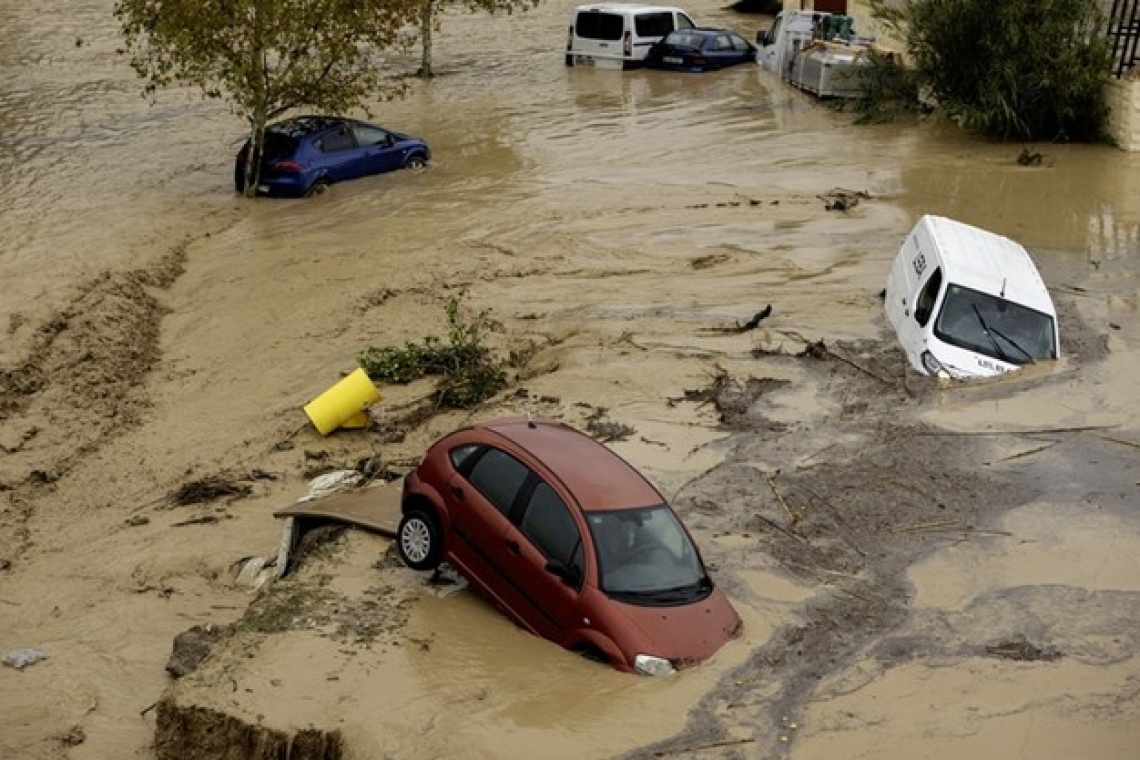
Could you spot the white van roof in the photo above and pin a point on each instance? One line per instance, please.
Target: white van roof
(625, 7)
(987, 262)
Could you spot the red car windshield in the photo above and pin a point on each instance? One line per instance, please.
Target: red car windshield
(646, 557)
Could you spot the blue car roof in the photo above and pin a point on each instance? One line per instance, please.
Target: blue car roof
(299, 126)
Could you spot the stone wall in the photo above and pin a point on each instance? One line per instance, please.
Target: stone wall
(867, 25)
(1124, 119)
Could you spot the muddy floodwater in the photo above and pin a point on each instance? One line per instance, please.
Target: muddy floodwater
(924, 570)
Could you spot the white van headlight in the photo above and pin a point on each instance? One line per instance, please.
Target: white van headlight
(649, 665)
(932, 365)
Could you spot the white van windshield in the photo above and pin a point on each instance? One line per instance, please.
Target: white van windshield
(993, 326)
(646, 557)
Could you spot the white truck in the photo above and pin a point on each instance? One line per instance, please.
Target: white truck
(814, 51)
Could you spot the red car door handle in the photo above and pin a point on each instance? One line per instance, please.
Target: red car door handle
(457, 492)
(513, 547)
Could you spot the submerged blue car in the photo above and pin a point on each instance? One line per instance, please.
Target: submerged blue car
(304, 155)
(700, 50)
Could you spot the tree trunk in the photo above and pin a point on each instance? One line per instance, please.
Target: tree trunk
(256, 148)
(427, 22)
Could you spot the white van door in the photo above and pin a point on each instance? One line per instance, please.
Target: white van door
(913, 293)
(919, 326)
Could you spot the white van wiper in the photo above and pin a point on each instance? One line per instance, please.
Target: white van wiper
(1014, 343)
(986, 329)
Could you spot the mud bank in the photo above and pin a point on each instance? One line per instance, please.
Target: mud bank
(199, 734)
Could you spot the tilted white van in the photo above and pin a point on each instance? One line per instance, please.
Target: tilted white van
(619, 35)
(966, 302)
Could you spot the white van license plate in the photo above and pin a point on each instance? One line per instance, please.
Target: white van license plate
(672, 59)
(583, 60)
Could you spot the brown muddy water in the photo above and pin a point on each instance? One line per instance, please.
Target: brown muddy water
(924, 571)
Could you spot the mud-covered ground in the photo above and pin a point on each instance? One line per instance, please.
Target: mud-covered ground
(923, 570)
(827, 511)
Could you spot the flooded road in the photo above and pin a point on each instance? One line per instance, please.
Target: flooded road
(157, 329)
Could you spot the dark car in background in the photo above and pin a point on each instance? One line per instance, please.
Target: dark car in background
(304, 155)
(569, 540)
(700, 50)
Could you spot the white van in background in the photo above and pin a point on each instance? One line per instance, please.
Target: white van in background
(968, 303)
(618, 35)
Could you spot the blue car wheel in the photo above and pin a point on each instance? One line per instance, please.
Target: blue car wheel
(319, 186)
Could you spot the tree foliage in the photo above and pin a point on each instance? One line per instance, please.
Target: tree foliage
(266, 57)
(429, 11)
(1016, 69)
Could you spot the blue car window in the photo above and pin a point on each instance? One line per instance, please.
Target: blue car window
(337, 140)
(367, 135)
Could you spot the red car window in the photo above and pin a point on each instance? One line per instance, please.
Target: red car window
(498, 476)
(551, 528)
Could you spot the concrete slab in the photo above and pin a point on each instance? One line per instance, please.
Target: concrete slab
(375, 508)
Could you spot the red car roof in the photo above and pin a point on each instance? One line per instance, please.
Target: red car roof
(599, 479)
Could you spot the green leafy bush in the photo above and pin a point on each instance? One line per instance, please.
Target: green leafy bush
(1016, 69)
(887, 88)
(468, 372)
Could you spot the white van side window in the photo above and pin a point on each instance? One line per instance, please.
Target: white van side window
(653, 24)
(924, 306)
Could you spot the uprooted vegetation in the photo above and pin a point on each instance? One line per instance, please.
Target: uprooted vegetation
(467, 369)
(216, 488)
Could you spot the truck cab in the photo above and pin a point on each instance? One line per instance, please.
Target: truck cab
(789, 33)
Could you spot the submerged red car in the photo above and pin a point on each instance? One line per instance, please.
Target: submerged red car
(569, 540)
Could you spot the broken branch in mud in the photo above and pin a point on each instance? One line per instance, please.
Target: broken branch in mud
(731, 398)
(792, 517)
(1037, 431)
(204, 520)
(843, 200)
(1121, 441)
(945, 526)
(775, 525)
(702, 747)
(819, 350)
(209, 489)
(606, 430)
(926, 526)
(1029, 453)
(739, 328)
(1021, 650)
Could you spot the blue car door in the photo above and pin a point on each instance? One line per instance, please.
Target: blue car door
(380, 151)
(338, 154)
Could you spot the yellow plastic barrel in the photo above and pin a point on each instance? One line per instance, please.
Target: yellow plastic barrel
(344, 404)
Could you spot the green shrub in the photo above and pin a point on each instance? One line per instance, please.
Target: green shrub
(887, 89)
(1016, 69)
(468, 372)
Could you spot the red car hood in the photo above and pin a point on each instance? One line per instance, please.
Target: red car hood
(685, 635)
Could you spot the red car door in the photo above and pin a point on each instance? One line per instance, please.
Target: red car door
(479, 503)
(545, 560)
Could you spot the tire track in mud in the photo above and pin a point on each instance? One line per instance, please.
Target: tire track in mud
(79, 383)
